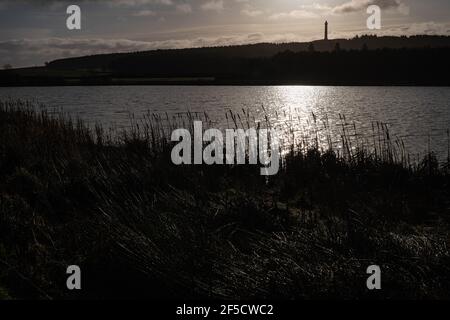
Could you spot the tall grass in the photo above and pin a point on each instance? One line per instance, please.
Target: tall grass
(139, 226)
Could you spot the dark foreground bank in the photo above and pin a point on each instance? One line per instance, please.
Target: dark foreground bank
(140, 227)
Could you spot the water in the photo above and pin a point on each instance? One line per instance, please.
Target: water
(420, 116)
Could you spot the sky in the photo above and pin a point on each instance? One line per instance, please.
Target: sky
(34, 31)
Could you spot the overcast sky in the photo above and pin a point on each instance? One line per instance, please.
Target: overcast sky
(32, 32)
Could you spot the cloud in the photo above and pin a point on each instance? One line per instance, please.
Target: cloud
(251, 13)
(428, 28)
(249, 10)
(184, 8)
(110, 3)
(213, 5)
(138, 3)
(143, 6)
(144, 13)
(294, 14)
(360, 5)
(316, 10)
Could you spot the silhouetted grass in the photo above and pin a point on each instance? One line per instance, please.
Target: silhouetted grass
(141, 227)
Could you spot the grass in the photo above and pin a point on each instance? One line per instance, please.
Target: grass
(139, 226)
(3, 294)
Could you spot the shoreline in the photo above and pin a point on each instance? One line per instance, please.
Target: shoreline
(227, 83)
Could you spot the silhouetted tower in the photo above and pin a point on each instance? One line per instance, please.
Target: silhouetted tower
(326, 30)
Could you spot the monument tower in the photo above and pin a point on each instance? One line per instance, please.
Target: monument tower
(326, 30)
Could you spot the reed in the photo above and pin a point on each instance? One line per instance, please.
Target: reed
(113, 203)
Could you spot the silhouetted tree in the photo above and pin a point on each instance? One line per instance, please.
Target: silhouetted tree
(7, 67)
(337, 47)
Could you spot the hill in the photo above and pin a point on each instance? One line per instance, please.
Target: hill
(260, 50)
(418, 59)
